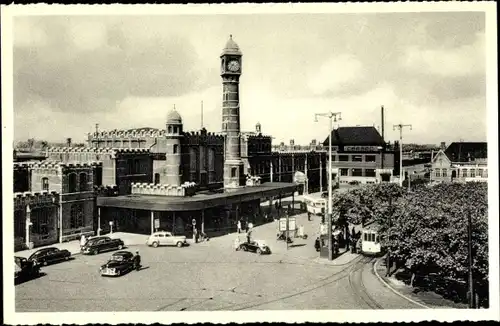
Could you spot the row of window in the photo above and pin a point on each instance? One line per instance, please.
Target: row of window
(354, 158)
(173, 129)
(75, 183)
(464, 173)
(357, 172)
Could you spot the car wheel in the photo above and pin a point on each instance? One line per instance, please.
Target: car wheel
(179, 244)
(118, 273)
(259, 252)
(44, 263)
(155, 244)
(245, 249)
(95, 252)
(66, 258)
(35, 262)
(120, 247)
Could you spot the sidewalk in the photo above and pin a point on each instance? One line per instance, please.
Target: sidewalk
(129, 239)
(422, 298)
(343, 259)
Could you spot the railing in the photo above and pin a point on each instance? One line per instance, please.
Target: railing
(75, 235)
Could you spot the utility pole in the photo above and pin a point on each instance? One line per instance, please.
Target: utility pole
(400, 127)
(201, 114)
(332, 116)
(471, 278)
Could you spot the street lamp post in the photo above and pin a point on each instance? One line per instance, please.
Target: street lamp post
(400, 127)
(469, 252)
(332, 117)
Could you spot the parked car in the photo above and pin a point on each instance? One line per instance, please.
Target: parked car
(25, 269)
(101, 244)
(49, 255)
(121, 262)
(257, 246)
(163, 238)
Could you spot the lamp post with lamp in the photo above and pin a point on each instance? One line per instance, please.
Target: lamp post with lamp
(332, 116)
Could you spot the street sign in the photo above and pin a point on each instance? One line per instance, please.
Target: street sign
(291, 224)
(193, 221)
(157, 223)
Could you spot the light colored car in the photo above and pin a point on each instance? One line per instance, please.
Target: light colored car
(163, 238)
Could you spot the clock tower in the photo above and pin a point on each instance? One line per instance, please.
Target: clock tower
(230, 73)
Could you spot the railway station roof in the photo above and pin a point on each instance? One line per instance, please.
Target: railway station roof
(200, 201)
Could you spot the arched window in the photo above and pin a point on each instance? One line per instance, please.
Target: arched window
(169, 129)
(83, 181)
(76, 216)
(45, 184)
(72, 182)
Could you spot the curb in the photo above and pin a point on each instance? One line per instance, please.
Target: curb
(394, 290)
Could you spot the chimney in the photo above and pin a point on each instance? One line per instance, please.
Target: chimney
(258, 128)
(292, 142)
(68, 142)
(313, 142)
(443, 145)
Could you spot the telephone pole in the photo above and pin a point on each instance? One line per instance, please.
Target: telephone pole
(401, 127)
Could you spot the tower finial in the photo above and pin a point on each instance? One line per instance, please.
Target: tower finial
(230, 35)
(174, 107)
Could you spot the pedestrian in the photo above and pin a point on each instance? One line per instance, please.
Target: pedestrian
(195, 235)
(239, 226)
(137, 261)
(249, 234)
(317, 244)
(83, 240)
(308, 216)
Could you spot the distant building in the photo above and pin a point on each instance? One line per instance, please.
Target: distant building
(461, 162)
(361, 154)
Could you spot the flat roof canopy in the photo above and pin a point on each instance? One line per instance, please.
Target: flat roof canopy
(198, 202)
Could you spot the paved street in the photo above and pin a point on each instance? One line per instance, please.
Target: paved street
(212, 276)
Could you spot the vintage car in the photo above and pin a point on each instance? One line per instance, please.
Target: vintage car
(25, 269)
(101, 244)
(163, 238)
(121, 262)
(257, 246)
(49, 255)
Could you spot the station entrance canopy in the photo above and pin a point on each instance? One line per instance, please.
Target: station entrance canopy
(200, 201)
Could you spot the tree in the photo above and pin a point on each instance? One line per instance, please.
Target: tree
(429, 232)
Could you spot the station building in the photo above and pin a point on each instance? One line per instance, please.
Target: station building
(360, 154)
(147, 179)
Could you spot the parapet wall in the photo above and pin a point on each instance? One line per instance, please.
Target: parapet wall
(126, 134)
(21, 199)
(186, 189)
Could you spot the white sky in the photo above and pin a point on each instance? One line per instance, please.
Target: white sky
(427, 69)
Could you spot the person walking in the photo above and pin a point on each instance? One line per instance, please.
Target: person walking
(308, 216)
(238, 226)
(83, 241)
(249, 235)
(137, 261)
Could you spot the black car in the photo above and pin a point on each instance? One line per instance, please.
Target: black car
(49, 255)
(100, 244)
(121, 262)
(25, 269)
(258, 247)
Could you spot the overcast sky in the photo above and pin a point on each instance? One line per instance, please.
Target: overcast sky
(427, 69)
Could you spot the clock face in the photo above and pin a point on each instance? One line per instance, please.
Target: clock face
(233, 66)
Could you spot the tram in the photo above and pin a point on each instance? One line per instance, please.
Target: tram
(315, 205)
(370, 240)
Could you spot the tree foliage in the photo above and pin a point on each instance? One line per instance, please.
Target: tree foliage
(426, 229)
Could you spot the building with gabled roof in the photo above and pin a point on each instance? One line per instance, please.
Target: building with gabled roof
(461, 162)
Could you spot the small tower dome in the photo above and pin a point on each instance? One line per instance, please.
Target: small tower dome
(231, 47)
(258, 128)
(174, 117)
